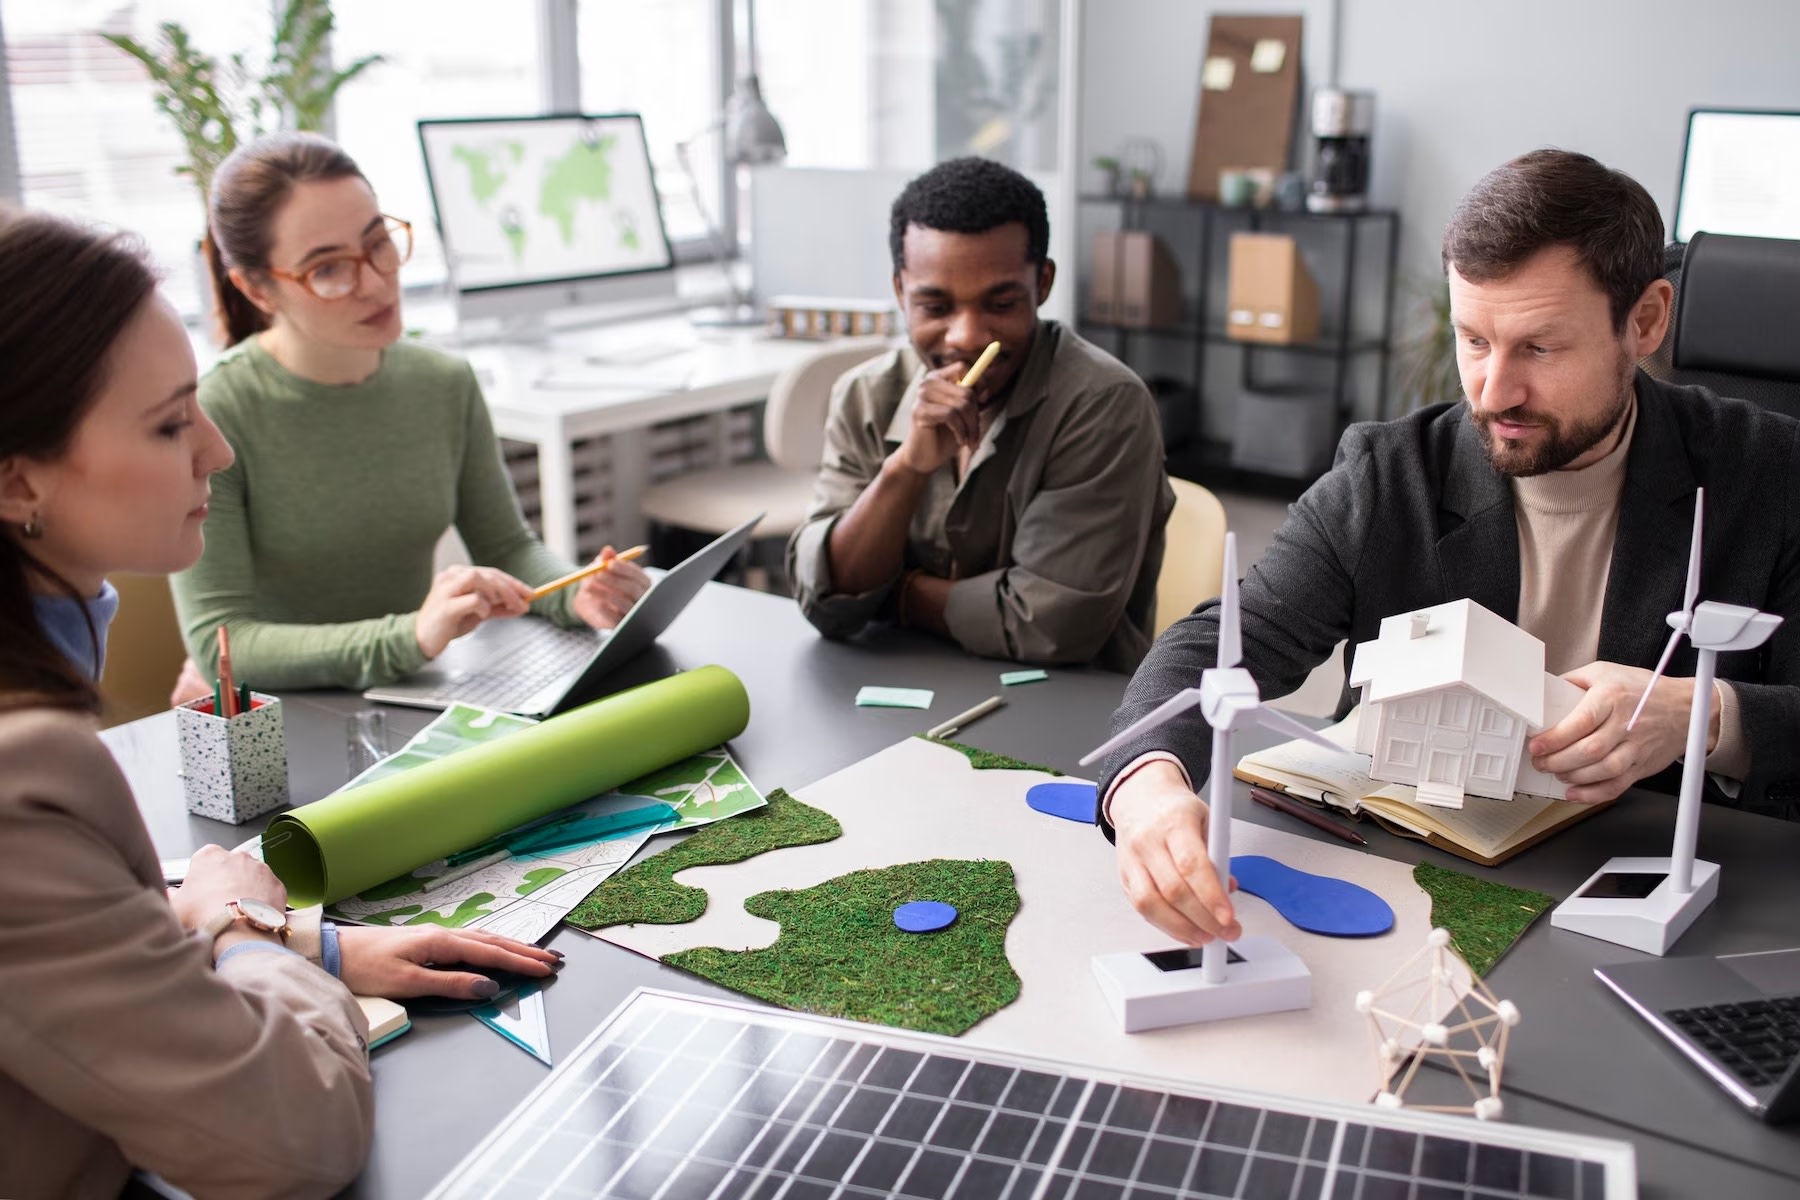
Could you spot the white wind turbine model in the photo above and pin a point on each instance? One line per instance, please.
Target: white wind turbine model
(1256, 974)
(1647, 903)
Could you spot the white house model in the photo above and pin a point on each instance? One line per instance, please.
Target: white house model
(1449, 695)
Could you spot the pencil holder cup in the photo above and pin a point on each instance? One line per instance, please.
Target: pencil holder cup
(233, 769)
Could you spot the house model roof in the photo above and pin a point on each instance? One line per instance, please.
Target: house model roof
(1462, 643)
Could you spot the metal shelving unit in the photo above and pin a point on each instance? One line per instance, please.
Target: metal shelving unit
(1195, 232)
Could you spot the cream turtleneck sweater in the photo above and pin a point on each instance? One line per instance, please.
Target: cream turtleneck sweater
(1567, 522)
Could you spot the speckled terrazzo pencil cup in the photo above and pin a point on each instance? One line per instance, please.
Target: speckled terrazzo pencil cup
(233, 770)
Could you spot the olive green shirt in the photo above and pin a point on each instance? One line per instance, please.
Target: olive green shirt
(320, 540)
(1054, 536)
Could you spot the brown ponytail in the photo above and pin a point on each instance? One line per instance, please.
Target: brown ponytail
(248, 191)
(66, 294)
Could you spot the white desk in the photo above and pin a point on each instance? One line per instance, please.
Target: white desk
(554, 393)
(549, 394)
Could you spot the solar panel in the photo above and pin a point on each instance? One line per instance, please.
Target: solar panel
(680, 1098)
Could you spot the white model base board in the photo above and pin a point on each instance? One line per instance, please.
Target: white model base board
(1268, 978)
(1651, 922)
(916, 801)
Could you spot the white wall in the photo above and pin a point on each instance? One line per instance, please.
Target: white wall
(1460, 86)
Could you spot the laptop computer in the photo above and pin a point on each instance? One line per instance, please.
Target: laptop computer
(528, 666)
(1736, 1017)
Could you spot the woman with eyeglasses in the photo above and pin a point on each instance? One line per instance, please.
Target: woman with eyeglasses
(356, 449)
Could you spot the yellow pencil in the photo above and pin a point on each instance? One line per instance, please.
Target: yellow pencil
(591, 569)
(981, 365)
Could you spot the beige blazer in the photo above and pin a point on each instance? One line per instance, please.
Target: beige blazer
(120, 1045)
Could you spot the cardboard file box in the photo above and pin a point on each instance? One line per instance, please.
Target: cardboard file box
(1270, 295)
(1136, 283)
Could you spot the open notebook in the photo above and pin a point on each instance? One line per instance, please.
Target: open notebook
(1482, 830)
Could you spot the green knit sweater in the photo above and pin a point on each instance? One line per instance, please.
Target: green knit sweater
(319, 546)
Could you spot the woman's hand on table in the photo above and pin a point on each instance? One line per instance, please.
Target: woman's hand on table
(398, 963)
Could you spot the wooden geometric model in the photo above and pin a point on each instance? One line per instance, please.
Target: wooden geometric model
(1647, 903)
(1449, 695)
(1491, 1026)
(1256, 974)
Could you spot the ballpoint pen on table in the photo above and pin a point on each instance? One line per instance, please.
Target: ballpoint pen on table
(956, 723)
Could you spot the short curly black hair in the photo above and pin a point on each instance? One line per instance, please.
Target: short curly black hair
(971, 195)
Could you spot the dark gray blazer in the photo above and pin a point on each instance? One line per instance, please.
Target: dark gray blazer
(1412, 515)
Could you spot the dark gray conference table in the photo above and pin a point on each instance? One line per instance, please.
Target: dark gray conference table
(1579, 1062)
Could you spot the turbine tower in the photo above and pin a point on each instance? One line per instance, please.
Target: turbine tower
(1647, 903)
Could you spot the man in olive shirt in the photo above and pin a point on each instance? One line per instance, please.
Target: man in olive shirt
(1021, 517)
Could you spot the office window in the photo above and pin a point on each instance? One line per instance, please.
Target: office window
(902, 84)
(825, 66)
(443, 58)
(91, 143)
(660, 60)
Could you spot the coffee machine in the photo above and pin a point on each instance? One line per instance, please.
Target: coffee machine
(1341, 123)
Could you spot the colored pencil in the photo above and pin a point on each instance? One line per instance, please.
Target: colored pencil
(227, 687)
(981, 365)
(591, 569)
(1294, 808)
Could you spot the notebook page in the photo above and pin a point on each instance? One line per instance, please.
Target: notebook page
(1482, 824)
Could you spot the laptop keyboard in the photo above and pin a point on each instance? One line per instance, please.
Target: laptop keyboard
(529, 665)
(1758, 1039)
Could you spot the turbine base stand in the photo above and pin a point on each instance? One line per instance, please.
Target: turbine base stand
(1632, 902)
(1263, 977)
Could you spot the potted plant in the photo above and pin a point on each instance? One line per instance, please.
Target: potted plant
(1428, 373)
(214, 107)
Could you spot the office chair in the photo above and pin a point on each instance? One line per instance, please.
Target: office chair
(144, 651)
(715, 501)
(1737, 309)
(1193, 553)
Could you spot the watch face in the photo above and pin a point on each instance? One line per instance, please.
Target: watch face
(262, 913)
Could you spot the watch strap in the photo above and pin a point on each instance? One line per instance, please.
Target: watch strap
(219, 922)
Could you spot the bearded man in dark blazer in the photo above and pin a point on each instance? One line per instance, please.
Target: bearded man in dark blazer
(1560, 496)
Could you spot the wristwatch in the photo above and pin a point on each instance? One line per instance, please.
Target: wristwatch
(258, 914)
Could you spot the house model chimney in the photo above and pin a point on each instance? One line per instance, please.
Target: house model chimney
(1420, 626)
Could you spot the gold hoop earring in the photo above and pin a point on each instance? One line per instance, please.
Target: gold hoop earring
(33, 528)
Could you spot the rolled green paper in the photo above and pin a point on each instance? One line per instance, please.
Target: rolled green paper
(355, 839)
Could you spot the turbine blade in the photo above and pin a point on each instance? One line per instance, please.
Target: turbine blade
(1662, 664)
(1280, 722)
(1173, 707)
(1231, 644)
(1693, 576)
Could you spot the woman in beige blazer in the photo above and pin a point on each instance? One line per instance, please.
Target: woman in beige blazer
(234, 1064)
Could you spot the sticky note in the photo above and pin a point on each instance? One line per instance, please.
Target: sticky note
(1009, 678)
(1268, 55)
(893, 697)
(1217, 73)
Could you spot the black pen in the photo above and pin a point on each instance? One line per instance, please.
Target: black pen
(1317, 820)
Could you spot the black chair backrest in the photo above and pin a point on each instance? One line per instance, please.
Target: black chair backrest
(1736, 328)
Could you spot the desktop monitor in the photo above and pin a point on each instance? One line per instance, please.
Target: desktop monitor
(543, 213)
(1740, 174)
